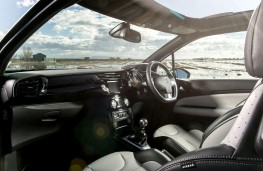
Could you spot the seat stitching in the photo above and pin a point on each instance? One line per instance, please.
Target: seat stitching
(216, 161)
(231, 162)
(199, 157)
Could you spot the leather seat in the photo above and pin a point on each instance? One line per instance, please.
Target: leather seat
(121, 160)
(151, 159)
(176, 140)
(241, 149)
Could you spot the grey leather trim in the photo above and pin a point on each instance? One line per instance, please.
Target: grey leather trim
(151, 165)
(217, 136)
(118, 161)
(184, 139)
(196, 133)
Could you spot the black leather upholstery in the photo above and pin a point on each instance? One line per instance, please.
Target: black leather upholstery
(259, 140)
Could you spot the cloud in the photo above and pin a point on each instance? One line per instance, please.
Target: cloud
(78, 32)
(25, 3)
(219, 46)
(83, 21)
(2, 34)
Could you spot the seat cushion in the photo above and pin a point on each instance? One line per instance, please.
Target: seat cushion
(149, 160)
(185, 140)
(117, 161)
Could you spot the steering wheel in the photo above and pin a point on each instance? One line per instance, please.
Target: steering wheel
(164, 87)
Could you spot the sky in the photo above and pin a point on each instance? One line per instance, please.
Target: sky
(202, 8)
(77, 32)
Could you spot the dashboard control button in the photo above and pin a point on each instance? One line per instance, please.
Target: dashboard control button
(114, 104)
(126, 102)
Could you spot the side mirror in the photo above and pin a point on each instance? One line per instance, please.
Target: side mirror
(123, 31)
(182, 73)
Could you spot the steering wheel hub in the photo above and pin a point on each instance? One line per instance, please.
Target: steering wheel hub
(163, 86)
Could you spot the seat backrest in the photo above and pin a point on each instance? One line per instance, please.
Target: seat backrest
(218, 130)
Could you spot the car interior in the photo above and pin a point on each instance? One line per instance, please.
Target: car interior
(143, 116)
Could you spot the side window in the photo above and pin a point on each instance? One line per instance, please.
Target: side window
(214, 57)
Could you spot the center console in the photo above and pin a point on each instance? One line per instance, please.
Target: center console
(121, 113)
(122, 122)
(121, 117)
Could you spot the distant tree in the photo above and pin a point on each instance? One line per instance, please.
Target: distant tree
(26, 54)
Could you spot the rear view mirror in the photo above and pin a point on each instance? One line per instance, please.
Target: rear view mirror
(123, 31)
(181, 73)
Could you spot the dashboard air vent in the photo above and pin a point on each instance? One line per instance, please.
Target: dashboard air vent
(31, 87)
(111, 76)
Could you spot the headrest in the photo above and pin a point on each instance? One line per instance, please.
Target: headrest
(254, 44)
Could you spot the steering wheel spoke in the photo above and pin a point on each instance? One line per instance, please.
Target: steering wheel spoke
(163, 86)
(173, 82)
(168, 95)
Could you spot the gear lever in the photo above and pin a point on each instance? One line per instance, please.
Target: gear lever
(140, 135)
(143, 123)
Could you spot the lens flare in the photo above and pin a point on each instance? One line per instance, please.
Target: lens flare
(77, 165)
(100, 131)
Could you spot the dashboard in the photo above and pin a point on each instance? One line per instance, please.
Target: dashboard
(43, 102)
(43, 85)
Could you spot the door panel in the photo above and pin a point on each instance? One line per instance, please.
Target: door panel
(222, 86)
(34, 122)
(202, 101)
(209, 105)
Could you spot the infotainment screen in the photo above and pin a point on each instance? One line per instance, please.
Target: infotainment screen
(114, 86)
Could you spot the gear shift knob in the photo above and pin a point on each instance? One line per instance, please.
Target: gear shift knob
(143, 122)
(140, 136)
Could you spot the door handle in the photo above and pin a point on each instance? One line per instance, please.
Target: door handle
(51, 116)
